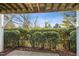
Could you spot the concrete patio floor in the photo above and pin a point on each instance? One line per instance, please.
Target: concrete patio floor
(30, 53)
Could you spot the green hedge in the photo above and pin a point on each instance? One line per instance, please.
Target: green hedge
(11, 39)
(52, 38)
(38, 37)
(73, 41)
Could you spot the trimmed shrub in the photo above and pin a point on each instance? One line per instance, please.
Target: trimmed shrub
(24, 36)
(73, 41)
(51, 38)
(11, 39)
(36, 39)
(41, 38)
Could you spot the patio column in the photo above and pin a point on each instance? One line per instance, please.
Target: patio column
(77, 13)
(1, 33)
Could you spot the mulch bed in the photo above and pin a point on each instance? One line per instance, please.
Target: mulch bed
(61, 53)
(6, 51)
(66, 53)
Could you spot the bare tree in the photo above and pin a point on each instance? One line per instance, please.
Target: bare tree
(8, 24)
(71, 17)
(35, 22)
(22, 19)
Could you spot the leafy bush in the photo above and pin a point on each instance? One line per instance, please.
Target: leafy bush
(11, 39)
(73, 41)
(24, 36)
(36, 39)
(51, 38)
(41, 37)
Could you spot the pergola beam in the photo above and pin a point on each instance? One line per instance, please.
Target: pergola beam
(74, 5)
(62, 6)
(5, 5)
(59, 5)
(30, 5)
(70, 5)
(19, 6)
(25, 6)
(56, 6)
(49, 6)
(12, 6)
(42, 6)
(37, 7)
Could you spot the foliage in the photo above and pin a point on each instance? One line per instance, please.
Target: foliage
(73, 41)
(11, 39)
(51, 38)
(8, 24)
(57, 26)
(69, 19)
(42, 37)
(67, 24)
(23, 34)
(36, 38)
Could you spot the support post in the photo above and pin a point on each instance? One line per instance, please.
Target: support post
(77, 15)
(1, 33)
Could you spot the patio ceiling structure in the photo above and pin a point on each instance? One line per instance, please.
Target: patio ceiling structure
(6, 8)
(36, 7)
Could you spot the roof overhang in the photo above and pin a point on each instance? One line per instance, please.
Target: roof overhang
(37, 7)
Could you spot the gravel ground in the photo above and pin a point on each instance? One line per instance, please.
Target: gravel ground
(30, 53)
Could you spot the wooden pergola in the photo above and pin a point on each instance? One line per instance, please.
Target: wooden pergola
(6, 8)
(36, 7)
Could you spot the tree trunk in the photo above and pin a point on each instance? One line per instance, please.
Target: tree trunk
(49, 46)
(42, 46)
(69, 44)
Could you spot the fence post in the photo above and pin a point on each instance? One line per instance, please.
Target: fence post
(77, 15)
(1, 33)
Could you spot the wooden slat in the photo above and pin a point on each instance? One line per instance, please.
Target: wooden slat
(30, 5)
(25, 6)
(56, 6)
(18, 6)
(59, 6)
(11, 6)
(38, 7)
(66, 6)
(42, 6)
(2, 8)
(3, 11)
(62, 6)
(76, 6)
(35, 7)
(69, 5)
(48, 6)
(8, 6)
(21, 6)
(5, 5)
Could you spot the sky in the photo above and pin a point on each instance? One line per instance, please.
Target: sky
(50, 17)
